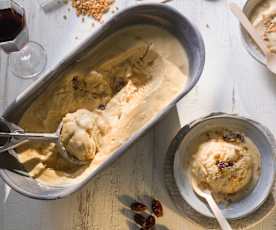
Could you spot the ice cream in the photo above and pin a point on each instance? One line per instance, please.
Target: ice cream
(104, 99)
(263, 18)
(80, 134)
(226, 163)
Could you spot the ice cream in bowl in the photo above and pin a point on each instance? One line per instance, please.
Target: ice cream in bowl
(230, 156)
(262, 14)
(227, 163)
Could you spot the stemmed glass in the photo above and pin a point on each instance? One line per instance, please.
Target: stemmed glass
(26, 59)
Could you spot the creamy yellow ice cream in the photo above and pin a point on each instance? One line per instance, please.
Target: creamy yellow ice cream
(80, 134)
(105, 98)
(225, 164)
(264, 20)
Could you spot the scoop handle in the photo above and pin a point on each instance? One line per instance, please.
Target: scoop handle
(31, 136)
(236, 10)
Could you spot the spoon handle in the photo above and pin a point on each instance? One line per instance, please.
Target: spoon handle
(236, 10)
(218, 214)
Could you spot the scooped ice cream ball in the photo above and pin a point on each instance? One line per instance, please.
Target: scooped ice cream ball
(223, 167)
(80, 134)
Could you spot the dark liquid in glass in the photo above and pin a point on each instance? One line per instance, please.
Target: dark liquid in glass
(3, 128)
(11, 24)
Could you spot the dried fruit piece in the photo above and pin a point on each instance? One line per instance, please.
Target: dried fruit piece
(233, 137)
(76, 82)
(157, 208)
(223, 164)
(145, 223)
(150, 222)
(101, 107)
(138, 207)
(139, 219)
(118, 84)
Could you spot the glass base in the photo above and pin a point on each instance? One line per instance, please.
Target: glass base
(29, 62)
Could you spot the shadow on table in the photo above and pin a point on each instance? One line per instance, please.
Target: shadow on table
(9, 162)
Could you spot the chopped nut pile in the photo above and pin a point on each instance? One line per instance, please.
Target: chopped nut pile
(93, 8)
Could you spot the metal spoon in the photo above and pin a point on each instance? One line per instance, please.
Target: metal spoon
(270, 57)
(206, 194)
(17, 137)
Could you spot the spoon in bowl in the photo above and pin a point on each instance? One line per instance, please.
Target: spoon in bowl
(270, 57)
(206, 194)
(17, 137)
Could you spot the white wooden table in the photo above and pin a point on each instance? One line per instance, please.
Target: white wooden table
(232, 82)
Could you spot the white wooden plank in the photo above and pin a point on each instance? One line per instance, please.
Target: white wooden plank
(232, 82)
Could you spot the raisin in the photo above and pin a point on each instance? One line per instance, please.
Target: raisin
(119, 84)
(138, 207)
(233, 137)
(139, 219)
(223, 164)
(157, 208)
(76, 82)
(101, 107)
(150, 222)
(230, 164)
(145, 223)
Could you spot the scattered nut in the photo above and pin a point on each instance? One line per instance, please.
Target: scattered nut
(93, 8)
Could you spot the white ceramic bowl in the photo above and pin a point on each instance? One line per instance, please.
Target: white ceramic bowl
(262, 138)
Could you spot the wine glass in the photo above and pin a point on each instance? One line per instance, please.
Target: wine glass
(26, 59)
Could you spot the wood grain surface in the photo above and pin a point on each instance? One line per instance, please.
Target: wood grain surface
(232, 82)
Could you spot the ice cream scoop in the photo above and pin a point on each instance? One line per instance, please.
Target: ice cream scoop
(81, 134)
(17, 137)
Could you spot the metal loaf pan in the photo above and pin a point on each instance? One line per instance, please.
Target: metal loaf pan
(151, 14)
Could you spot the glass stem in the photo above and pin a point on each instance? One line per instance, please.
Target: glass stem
(3, 81)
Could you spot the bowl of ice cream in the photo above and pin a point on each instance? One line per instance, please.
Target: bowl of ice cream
(262, 14)
(233, 157)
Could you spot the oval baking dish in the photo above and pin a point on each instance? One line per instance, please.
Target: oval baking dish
(147, 14)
